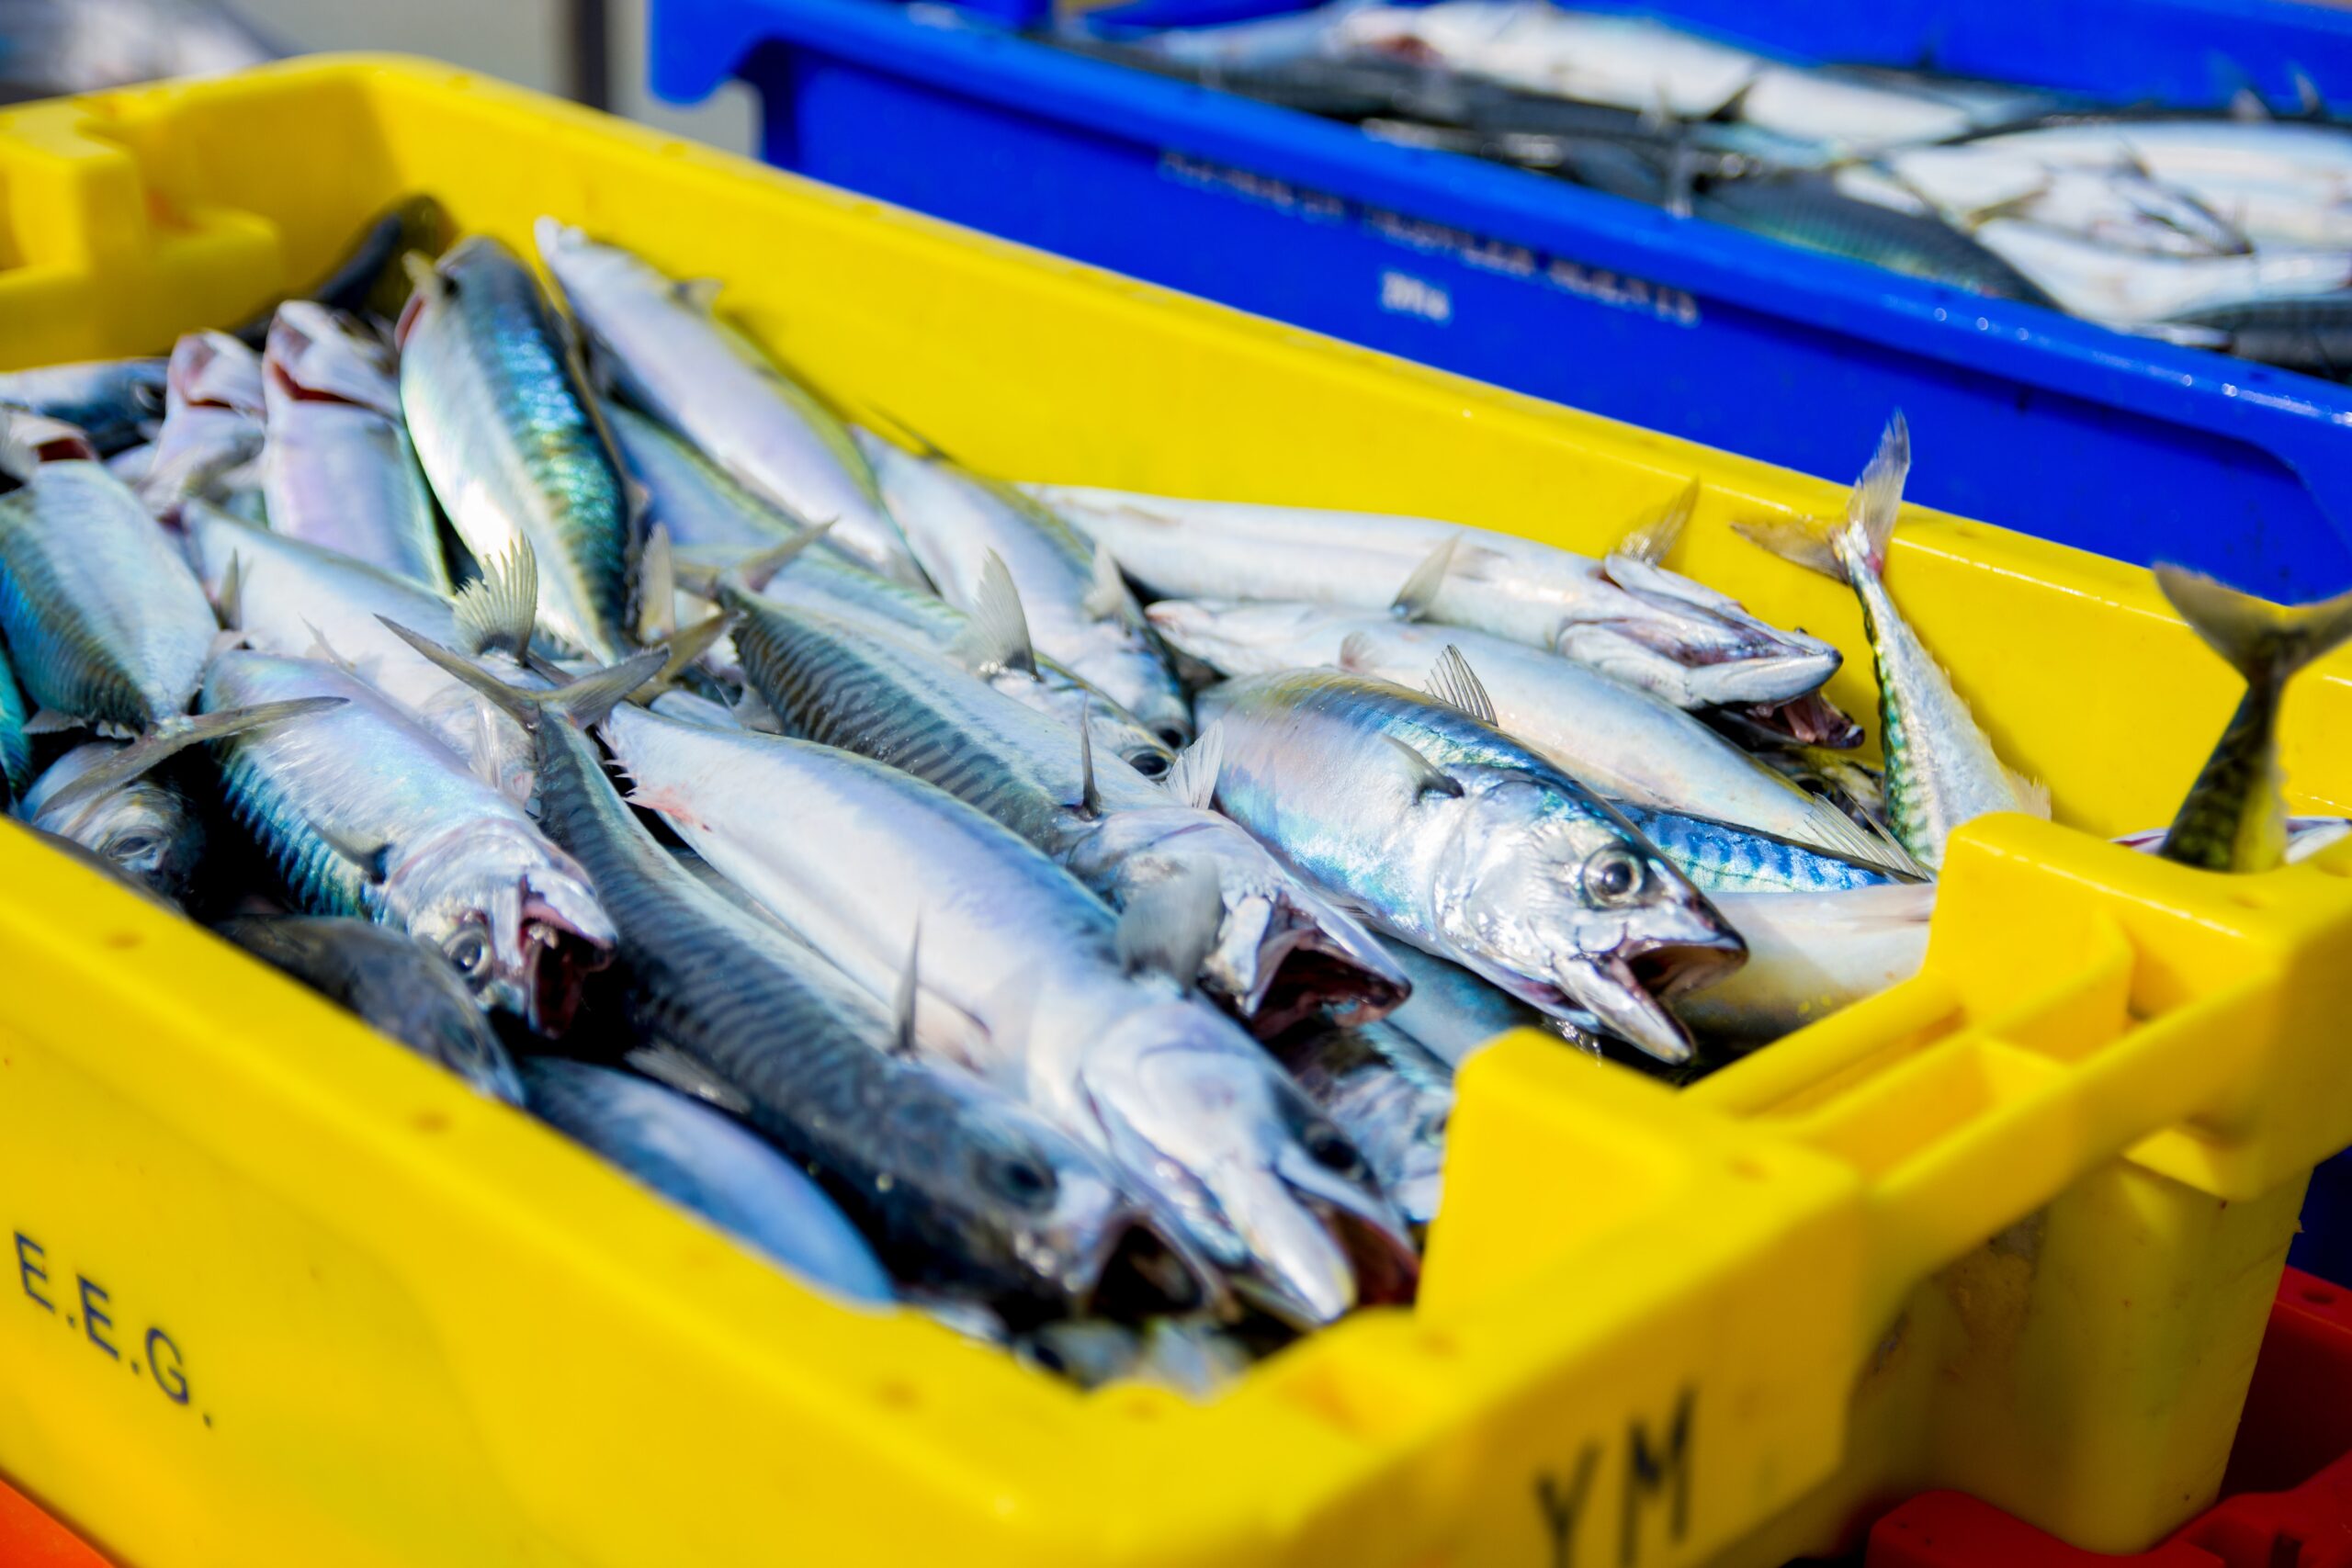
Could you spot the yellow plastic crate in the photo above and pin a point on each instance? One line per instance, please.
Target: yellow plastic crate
(286, 1295)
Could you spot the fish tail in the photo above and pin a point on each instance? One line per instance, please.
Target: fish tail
(1809, 542)
(2263, 642)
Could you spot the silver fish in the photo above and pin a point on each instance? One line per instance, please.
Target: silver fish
(337, 465)
(1623, 742)
(1941, 767)
(212, 420)
(362, 812)
(1455, 838)
(679, 362)
(506, 429)
(1027, 976)
(304, 600)
(1079, 610)
(1624, 616)
(144, 827)
(1389, 1094)
(706, 1163)
(1280, 950)
(105, 622)
(118, 402)
(1453, 1013)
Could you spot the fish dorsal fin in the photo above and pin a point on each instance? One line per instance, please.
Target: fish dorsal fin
(1454, 684)
(902, 1005)
(1107, 595)
(177, 734)
(691, 643)
(1651, 539)
(501, 608)
(753, 573)
(1420, 590)
(752, 711)
(657, 587)
(1358, 655)
(1191, 778)
(699, 295)
(2309, 102)
(1426, 776)
(2247, 107)
(1172, 925)
(1090, 797)
(996, 637)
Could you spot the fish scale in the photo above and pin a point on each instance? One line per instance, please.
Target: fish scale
(510, 437)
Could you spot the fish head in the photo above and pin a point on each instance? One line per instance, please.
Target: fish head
(1080, 1241)
(1282, 950)
(1274, 1190)
(516, 917)
(1689, 643)
(145, 829)
(1559, 900)
(1118, 733)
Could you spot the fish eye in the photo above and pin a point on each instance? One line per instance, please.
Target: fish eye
(1613, 874)
(1171, 737)
(469, 950)
(1151, 764)
(1329, 1148)
(147, 397)
(1023, 1179)
(130, 846)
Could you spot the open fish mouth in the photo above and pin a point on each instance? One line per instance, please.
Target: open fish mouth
(1279, 964)
(1141, 1271)
(557, 961)
(1626, 990)
(1716, 662)
(1809, 720)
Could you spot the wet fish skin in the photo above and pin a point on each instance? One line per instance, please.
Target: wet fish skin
(954, 519)
(117, 402)
(863, 599)
(1280, 948)
(391, 982)
(1022, 977)
(337, 465)
(961, 1188)
(1721, 857)
(1622, 615)
(16, 746)
(145, 828)
(677, 361)
(701, 1160)
(304, 601)
(1389, 1094)
(1623, 742)
(505, 428)
(103, 620)
(362, 812)
(1455, 838)
(1813, 211)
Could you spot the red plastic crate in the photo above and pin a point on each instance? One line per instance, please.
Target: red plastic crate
(31, 1538)
(2286, 1500)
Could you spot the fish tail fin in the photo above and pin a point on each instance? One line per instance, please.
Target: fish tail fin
(689, 643)
(1837, 549)
(1829, 829)
(2262, 642)
(584, 701)
(753, 573)
(177, 734)
(501, 608)
(1654, 536)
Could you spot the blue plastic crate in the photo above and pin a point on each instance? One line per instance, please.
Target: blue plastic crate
(2022, 416)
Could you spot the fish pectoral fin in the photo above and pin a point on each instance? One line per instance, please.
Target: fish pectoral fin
(1426, 777)
(1454, 684)
(1413, 601)
(49, 721)
(501, 608)
(661, 803)
(2033, 795)
(1191, 778)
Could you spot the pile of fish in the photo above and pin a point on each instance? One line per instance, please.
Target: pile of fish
(1062, 909)
(2229, 231)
